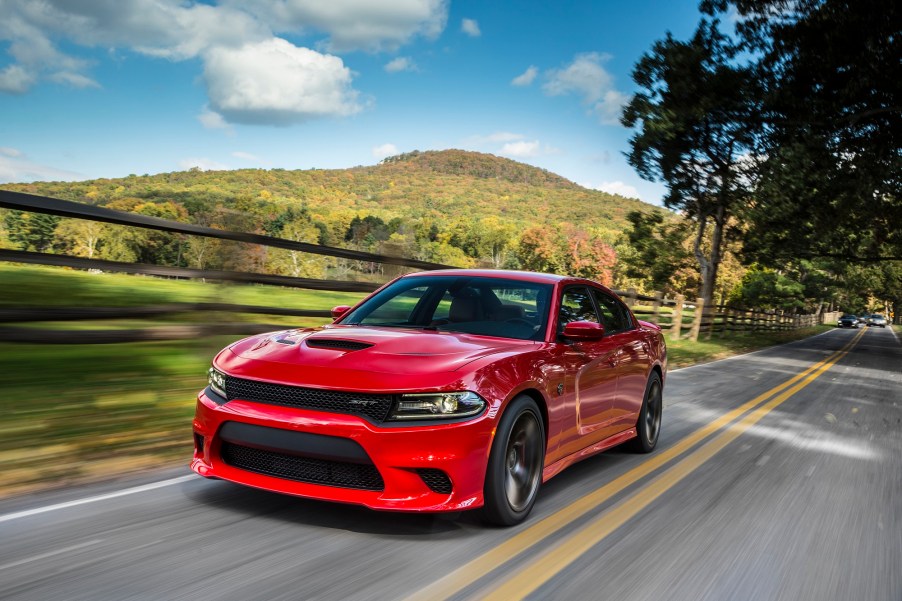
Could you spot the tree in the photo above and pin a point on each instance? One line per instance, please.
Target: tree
(82, 236)
(659, 254)
(31, 231)
(763, 288)
(695, 131)
(832, 127)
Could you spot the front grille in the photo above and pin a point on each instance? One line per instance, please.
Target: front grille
(373, 406)
(344, 345)
(302, 469)
(436, 480)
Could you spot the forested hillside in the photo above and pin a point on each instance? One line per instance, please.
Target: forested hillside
(453, 207)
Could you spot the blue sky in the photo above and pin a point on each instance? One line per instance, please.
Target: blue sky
(114, 87)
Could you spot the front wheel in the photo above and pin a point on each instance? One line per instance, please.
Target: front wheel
(514, 471)
(648, 427)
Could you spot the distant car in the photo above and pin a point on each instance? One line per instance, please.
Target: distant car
(849, 321)
(876, 320)
(441, 391)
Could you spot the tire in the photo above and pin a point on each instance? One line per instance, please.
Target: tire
(648, 426)
(514, 471)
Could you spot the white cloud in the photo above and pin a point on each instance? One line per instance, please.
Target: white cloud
(15, 80)
(164, 28)
(18, 168)
(503, 136)
(402, 63)
(277, 83)
(586, 77)
(76, 80)
(252, 75)
(522, 148)
(527, 77)
(385, 150)
(616, 187)
(246, 156)
(470, 27)
(212, 120)
(204, 164)
(353, 24)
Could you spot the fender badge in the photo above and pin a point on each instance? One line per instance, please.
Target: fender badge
(560, 388)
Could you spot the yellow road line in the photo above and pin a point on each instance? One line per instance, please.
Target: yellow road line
(553, 560)
(456, 580)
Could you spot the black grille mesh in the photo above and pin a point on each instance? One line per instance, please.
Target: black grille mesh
(302, 469)
(373, 406)
(344, 345)
(436, 480)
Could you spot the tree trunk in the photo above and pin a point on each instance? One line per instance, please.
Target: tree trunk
(708, 265)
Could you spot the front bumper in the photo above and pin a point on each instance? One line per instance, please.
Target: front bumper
(405, 456)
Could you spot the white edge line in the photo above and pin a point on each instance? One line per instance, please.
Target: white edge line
(112, 495)
(741, 355)
(20, 562)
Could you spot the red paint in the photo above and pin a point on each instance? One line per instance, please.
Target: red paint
(603, 385)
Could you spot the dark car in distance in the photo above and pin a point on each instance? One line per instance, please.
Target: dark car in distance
(849, 321)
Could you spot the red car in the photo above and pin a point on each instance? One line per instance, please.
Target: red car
(441, 391)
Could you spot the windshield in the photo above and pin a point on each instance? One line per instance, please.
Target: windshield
(475, 305)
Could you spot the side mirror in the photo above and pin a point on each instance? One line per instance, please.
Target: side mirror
(584, 330)
(339, 311)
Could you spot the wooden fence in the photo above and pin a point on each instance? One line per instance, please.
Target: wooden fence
(681, 319)
(691, 320)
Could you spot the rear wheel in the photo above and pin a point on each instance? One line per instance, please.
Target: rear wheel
(515, 465)
(648, 427)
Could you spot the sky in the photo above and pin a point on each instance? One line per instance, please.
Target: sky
(108, 88)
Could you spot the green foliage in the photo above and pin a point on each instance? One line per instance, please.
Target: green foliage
(832, 134)
(30, 231)
(763, 288)
(659, 251)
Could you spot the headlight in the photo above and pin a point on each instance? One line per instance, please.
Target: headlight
(437, 405)
(217, 381)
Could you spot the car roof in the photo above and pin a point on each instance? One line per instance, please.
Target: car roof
(523, 276)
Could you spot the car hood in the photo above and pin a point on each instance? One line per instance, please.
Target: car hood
(374, 350)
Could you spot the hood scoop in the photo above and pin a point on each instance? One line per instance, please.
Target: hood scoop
(337, 344)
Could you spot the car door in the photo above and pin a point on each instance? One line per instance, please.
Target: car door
(629, 359)
(591, 379)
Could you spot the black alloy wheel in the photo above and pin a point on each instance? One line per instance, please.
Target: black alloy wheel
(514, 471)
(648, 426)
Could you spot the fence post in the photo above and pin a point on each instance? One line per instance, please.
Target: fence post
(677, 318)
(697, 321)
(656, 306)
(630, 299)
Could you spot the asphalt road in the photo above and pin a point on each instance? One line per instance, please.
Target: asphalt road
(759, 490)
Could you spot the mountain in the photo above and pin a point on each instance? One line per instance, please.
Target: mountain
(443, 184)
(451, 207)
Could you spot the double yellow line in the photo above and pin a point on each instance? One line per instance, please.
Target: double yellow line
(557, 556)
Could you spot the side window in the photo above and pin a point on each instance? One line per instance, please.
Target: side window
(614, 315)
(576, 305)
(444, 307)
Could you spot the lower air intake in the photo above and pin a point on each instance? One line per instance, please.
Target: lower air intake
(302, 469)
(437, 480)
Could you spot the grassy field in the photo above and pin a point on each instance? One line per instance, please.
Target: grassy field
(82, 412)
